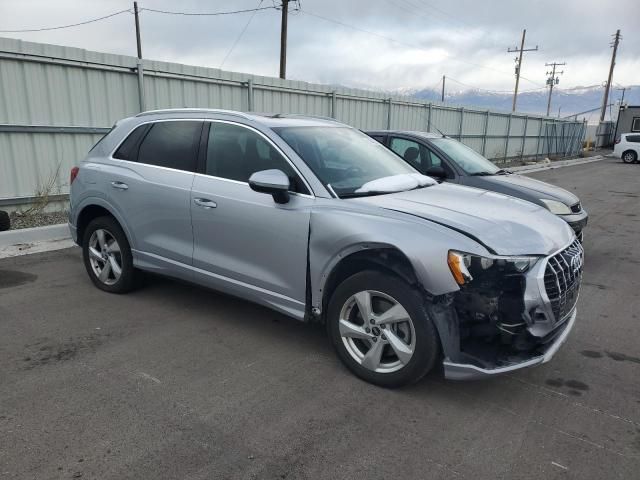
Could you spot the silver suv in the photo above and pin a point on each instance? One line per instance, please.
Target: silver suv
(322, 223)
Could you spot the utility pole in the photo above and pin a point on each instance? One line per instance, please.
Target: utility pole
(624, 89)
(442, 96)
(283, 39)
(140, 69)
(518, 60)
(616, 41)
(552, 80)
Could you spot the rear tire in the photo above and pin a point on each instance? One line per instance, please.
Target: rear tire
(107, 256)
(5, 221)
(629, 156)
(397, 345)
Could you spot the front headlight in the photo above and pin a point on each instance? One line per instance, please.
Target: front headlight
(555, 207)
(465, 266)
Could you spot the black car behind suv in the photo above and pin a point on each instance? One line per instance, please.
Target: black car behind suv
(449, 160)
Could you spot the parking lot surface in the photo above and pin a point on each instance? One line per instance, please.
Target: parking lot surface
(174, 381)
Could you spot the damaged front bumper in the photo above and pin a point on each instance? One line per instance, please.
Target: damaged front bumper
(503, 321)
(465, 371)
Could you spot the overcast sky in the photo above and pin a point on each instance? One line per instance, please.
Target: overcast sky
(382, 44)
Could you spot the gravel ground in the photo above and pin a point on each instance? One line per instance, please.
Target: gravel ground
(40, 219)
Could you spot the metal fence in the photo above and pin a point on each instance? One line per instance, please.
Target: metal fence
(55, 102)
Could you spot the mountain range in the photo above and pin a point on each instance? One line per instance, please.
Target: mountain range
(570, 101)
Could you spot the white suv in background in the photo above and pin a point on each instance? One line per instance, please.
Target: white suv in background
(627, 147)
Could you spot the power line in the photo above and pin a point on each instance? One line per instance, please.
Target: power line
(398, 42)
(44, 29)
(240, 35)
(207, 14)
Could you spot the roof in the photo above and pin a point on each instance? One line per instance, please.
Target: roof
(269, 119)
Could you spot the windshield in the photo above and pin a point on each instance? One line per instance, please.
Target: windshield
(349, 162)
(466, 158)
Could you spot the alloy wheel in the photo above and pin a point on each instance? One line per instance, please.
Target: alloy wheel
(105, 256)
(377, 331)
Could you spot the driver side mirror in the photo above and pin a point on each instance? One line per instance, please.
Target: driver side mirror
(436, 172)
(274, 182)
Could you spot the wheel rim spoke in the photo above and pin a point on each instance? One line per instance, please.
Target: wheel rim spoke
(113, 247)
(104, 273)
(101, 239)
(401, 349)
(348, 329)
(95, 254)
(397, 313)
(363, 300)
(115, 267)
(372, 358)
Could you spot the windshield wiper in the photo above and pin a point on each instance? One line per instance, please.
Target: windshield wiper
(480, 174)
(502, 171)
(360, 194)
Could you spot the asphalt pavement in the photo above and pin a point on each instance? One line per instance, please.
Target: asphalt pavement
(174, 381)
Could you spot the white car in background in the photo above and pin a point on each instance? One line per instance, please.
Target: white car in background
(627, 147)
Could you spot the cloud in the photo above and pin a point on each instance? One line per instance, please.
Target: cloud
(382, 44)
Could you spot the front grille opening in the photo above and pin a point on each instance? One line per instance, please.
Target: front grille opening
(562, 278)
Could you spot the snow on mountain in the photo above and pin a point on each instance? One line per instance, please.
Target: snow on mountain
(570, 100)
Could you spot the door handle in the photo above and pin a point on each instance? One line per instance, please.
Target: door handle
(205, 202)
(119, 185)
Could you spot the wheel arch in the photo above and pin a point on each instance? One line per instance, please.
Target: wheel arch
(96, 207)
(356, 258)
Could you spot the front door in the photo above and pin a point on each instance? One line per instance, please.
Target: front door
(244, 241)
(419, 156)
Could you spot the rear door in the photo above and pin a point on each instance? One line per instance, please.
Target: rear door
(150, 185)
(244, 239)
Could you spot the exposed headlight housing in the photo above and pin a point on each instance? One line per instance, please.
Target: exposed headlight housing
(555, 207)
(465, 266)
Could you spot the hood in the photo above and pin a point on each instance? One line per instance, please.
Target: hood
(525, 187)
(503, 224)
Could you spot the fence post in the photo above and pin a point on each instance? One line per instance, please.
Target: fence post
(484, 136)
(461, 124)
(539, 137)
(429, 119)
(250, 95)
(506, 142)
(333, 104)
(389, 114)
(524, 136)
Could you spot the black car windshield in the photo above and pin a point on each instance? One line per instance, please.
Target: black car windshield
(350, 162)
(466, 158)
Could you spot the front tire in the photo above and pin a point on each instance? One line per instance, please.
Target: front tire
(629, 156)
(380, 329)
(107, 256)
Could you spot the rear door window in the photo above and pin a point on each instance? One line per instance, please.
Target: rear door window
(172, 144)
(128, 150)
(633, 138)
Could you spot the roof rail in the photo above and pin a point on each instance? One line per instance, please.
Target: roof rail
(193, 110)
(303, 115)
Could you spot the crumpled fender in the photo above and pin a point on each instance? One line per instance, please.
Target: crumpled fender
(336, 233)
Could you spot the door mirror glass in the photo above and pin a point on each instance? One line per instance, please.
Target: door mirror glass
(436, 172)
(274, 182)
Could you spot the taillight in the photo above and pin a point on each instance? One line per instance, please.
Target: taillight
(74, 174)
(618, 139)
